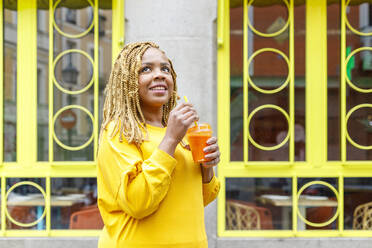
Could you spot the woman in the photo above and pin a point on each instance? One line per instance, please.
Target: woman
(150, 192)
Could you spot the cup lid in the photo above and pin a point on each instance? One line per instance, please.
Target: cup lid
(200, 127)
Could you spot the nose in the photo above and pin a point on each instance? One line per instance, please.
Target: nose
(159, 74)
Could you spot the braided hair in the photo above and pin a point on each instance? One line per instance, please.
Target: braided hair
(122, 102)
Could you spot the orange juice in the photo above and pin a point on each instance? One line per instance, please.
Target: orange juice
(197, 137)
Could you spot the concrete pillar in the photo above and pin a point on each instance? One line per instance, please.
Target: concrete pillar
(186, 31)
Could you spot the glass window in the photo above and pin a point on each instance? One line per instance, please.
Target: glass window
(10, 83)
(317, 203)
(358, 71)
(74, 204)
(25, 203)
(357, 203)
(70, 173)
(73, 72)
(260, 187)
(267, 71)
(71, 16)
(258, 203)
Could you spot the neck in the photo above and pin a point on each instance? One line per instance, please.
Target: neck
(153, 115)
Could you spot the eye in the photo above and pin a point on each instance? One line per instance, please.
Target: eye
(145, 69)
(165, 69)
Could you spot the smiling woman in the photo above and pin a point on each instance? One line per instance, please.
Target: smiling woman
(148, 177)
(155, 83)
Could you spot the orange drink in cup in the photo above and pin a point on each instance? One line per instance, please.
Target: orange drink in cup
(197, 137)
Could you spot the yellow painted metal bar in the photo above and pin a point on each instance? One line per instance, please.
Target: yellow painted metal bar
(341, 202)
(68, 163)
(117, 27)
(343, 82)
(34, 171)
(236, 170)
(1, 85)
(223, 86)
(221, 205)
(307, 171)
(291, 83)
(50, 83)
(294, 204)
(48, 205)
(245, 82)
(26, 82)
(220, 27)
(289, 234)
(96, 79)
(223, 105)
(318, 233)
(316, 82)
(3, 203)
(285, 234)
(53, 233)
(262, 233)
(359, 233)
(26, 233)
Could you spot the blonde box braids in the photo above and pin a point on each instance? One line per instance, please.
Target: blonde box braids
(122, 103)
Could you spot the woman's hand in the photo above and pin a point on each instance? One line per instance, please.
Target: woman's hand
(212, 156)
(212, 153)
(179, 120)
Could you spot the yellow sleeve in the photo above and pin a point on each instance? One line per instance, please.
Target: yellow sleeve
(136, 186)
(210, 190)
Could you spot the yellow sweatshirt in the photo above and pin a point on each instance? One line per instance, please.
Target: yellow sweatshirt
(151, 200)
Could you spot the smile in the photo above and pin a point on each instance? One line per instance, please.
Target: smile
(158, 88)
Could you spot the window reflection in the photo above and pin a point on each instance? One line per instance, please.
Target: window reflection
(73, 72)
(258, 203)
(268, 71)
(359, 71)
(317, 203)
(357, 203)
(25, 204)
(10, 84)
(74, 204)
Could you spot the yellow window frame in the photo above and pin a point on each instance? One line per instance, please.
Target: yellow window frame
(316, 164)
(26, 164)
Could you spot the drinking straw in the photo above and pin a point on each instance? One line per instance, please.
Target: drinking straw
(186, 100)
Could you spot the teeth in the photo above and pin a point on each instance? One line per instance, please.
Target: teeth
(158, 88)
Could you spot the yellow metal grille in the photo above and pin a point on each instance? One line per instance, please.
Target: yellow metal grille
(316, 164)
(27, 165)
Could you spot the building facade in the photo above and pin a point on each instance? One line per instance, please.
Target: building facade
(286, 85)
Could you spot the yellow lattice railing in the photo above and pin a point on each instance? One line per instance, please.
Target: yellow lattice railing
(316, 164)
(26, 164)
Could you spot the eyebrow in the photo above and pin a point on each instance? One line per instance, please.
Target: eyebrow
(149, 63)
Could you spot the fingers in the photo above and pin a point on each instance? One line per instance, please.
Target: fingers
(182, 105)
(212, 153)
(186, 109)
(212, 156)
(212, 140)
(187, 115)
(190, 117)
(212, 163)
(211, 148)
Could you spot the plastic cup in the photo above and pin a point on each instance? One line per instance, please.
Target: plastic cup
(197, 137)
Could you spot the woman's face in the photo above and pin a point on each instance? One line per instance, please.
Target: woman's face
(155, 82)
